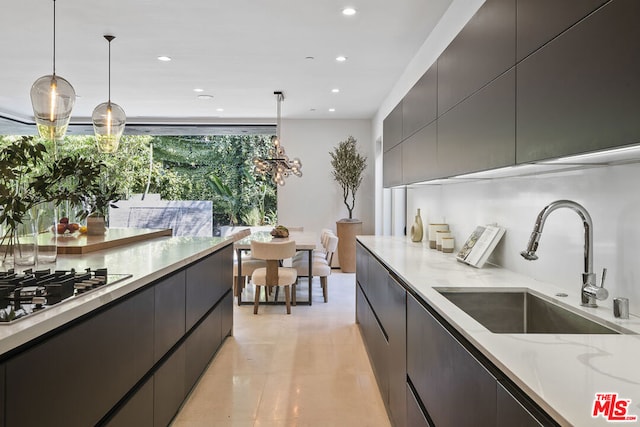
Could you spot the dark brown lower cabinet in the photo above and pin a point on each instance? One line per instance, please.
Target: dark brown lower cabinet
(428, 374)
(455, 389)
(131, 363)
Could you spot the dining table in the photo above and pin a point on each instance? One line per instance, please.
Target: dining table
(305, 241)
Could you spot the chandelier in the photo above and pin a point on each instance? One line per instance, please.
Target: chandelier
(277, 164)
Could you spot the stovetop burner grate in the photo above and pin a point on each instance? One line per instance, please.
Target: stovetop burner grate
(22, 294)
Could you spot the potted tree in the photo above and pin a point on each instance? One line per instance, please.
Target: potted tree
(348, 166)
(96, 201)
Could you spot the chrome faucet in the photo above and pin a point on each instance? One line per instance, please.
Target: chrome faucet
(590, 291)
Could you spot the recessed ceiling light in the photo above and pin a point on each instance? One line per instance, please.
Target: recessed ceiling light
(220, 110)
(198, 90)
(341, 58)
(310, 58)
(164, 58)
(205, 96)
(348, 11)
(331, 110)
(336, 90)
(312, 109)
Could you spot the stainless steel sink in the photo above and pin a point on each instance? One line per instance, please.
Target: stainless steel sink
(521, 312)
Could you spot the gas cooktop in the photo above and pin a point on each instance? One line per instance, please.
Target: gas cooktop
(30, 292)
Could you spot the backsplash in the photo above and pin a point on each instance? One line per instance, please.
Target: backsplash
(609, 194)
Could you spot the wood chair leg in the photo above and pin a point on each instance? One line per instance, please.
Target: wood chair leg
(323, 283)
(256, 300)
(287, 298)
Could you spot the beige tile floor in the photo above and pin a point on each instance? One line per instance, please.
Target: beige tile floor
(309, 368)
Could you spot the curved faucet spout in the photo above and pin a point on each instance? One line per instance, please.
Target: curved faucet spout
(590, 291)
(532, 247)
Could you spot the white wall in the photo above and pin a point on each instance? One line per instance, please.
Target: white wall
(609, 194)
(315, 200)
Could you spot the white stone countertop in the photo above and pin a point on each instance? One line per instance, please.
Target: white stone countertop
(560, 372)
(146, 261)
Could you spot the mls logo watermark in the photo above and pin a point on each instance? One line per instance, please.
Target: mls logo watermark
(612, 408)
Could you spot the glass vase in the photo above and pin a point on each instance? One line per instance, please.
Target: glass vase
(47, 241)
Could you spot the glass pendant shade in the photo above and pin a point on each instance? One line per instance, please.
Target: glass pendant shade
(52, 98)
(108, 124)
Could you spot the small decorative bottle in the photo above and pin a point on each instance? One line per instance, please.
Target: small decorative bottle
(416, 229)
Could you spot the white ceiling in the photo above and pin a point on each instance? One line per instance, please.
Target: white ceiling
(238, 51)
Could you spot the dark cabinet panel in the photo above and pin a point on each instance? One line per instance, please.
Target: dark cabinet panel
(203, 280)
(512, 413)
(201, 345)
(484, 49)
(580, 92)
(392, 167)
(137, 411)
(420, 104)
(168, 313)
(420, 155)
(226, 315)
(445, 374)
(84, 371)
(2, 388)
(415, 417)
(556, 15)
(392, 128)
(362, 264)
(169, 390)
(397, 337)
(479, 133)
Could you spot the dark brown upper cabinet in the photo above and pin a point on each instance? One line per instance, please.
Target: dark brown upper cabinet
(539, 21)
(484, 49)
(392, 167)
(479, 133)
(420, 155)
(392, 128)
(420, 104)
(581, 92)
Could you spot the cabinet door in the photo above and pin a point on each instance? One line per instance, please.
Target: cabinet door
(392, 128)
(396, 327)
(415, 416)
(420, 104)
(454, 387)
(580, 92)
(512, 413)
(2, 391)
(375, 342)
(556, 15)
(201, 345)
(392, 167)
(82, 372)
(226, 315)
(420, 155)
(202, 282)
(362, 263)
(168, 314)
(479, 133)
(484, 49)
(137, 411)
(169, 390)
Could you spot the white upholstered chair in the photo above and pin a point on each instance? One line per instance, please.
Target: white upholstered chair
(249, 263)
(273, 275)
(321, 267)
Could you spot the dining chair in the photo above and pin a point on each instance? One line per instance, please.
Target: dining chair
(320, 267)
(249, 263)
(273, 275)
(320, 251)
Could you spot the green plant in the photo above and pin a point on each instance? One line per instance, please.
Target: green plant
(348, 166)
(232, 202)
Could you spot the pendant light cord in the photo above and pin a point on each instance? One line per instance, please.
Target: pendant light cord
(54, 37)
(109, 71)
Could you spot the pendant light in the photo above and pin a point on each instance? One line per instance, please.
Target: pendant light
(108, 118)
(52, 99)
(277, 163)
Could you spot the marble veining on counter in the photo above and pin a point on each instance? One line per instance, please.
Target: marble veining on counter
(560, 372)
(146, 261)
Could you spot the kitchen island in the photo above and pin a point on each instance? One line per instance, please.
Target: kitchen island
(457, 372)
(125, 353)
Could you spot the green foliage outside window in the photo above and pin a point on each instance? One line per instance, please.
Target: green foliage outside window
(187, 168)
